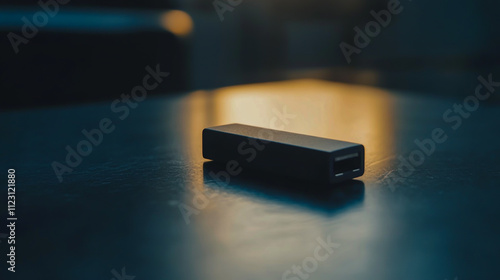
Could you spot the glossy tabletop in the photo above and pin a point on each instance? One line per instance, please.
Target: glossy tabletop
(143, 203)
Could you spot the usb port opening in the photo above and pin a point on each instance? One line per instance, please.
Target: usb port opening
(346, 163)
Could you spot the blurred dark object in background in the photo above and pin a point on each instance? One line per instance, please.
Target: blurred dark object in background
(432, 47)
(85, 55)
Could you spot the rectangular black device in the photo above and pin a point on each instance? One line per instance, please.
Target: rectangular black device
(291, 154)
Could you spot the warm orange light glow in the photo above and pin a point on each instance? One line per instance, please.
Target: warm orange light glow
(352, 113)
(177, 22)
(326, 109)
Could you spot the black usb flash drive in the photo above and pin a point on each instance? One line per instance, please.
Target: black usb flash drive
(291, 154)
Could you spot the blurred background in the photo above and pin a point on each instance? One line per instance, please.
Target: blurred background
(85, 51)
(121, 205)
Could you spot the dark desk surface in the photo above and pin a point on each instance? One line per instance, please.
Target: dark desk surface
(120, 208)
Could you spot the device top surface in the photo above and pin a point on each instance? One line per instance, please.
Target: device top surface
(296, 139)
